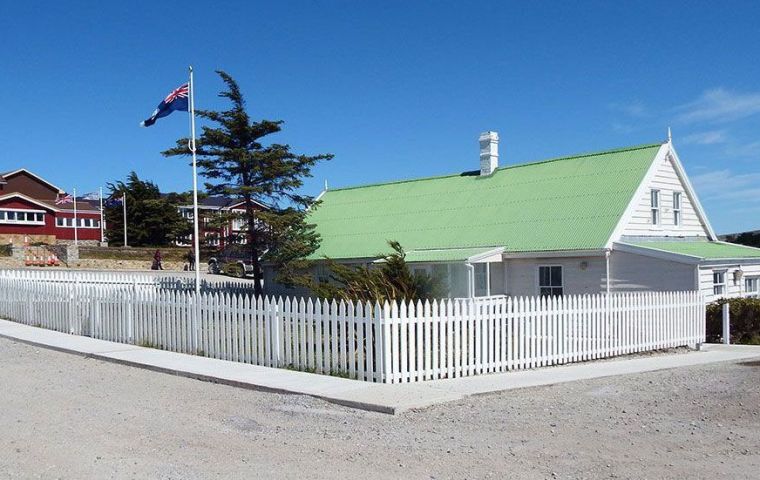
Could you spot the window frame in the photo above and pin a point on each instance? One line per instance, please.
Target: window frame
(756, 281)
(655, 204)
(68, 222)
(552, 288)
(677, 217)
(722, 286)
(14, 219)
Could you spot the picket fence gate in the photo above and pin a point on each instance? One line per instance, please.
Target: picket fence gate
(391, 343)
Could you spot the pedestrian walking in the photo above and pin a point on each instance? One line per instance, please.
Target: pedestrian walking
(191, 259)
(157, 261)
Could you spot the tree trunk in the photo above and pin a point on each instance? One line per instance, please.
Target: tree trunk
(258, 276)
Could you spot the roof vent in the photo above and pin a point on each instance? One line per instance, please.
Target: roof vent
(489, 152)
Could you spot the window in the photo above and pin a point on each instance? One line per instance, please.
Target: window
(481, 279)
(654, 201)
(23, 217)
(752, 286)
(719, 282)
(322, 273)
(676, 208)
(550, 281)
(238, 224)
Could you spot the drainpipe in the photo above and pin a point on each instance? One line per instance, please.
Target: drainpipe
(470, 280)
(607, 259)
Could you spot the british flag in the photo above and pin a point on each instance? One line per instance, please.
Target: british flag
(176, 100)
(65, 199)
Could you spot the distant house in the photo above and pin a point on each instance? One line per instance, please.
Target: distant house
(28, 212)
(613, 221)
(214, 231)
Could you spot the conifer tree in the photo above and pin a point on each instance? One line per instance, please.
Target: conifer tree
(232, 155)
(152, 218)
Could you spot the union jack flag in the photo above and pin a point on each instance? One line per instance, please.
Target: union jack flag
(176, 100)
(181, 92)
(65, 199)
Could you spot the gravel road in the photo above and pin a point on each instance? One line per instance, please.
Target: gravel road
(64, 416)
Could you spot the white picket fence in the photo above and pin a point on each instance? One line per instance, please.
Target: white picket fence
(379, 343)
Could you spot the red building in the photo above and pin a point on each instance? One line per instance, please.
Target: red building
(28, 212)
(214, 232)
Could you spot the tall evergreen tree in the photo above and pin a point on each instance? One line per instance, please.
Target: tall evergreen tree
(233, 157)
(152, 218)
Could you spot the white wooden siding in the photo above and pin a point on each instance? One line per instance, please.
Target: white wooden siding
(667, 181)
(638, 273)
(522, 275)
(733, 289)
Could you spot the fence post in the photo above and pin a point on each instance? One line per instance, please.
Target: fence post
(726, 323)
(130, 312)
(72, 304)
(276, 326)
(380, 340)
(196, 319)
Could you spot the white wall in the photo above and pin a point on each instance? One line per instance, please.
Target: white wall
(733, 289)
(633, 273)
(522, 275)
(667, 181)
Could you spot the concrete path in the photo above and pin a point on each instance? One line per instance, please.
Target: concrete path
(369, 396)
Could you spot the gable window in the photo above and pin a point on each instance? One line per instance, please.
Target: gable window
(654, 202)
(676, 208)
(550, 280)
(719, 282)
(752, 286)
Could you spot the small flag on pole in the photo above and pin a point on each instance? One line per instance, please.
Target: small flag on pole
(114, 202)
(176, 100)
(65, 199)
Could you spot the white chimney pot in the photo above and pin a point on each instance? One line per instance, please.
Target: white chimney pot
(489, 152)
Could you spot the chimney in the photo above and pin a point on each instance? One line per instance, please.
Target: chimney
(489, 153)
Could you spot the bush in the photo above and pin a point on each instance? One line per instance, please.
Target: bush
(6, 250)
(745, 321)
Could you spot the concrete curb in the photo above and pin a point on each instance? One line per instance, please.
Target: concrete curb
(382, 398)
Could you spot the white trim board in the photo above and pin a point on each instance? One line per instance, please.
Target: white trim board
(633, 202)
(656, 253)
(31, 200)
(597, 252)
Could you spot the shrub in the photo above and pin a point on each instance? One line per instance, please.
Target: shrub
(745, 320)
(6, 250)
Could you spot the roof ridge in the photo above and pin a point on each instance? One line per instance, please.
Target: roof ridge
(507, 167)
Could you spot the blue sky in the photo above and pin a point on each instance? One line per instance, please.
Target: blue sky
(393, 89)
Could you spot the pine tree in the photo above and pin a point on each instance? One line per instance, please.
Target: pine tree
(152, 218)
(232, 156)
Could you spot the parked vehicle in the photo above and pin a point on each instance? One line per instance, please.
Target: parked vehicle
(233, 260)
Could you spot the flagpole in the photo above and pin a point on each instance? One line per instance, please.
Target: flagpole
(76, 230)
(196, 240)
(124, 205)
(102, 225)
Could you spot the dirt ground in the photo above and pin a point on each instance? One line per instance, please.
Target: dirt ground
(64, 416)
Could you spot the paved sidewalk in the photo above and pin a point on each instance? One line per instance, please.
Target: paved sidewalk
(369, 396)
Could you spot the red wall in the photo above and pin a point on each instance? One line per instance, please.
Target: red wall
(50, 227)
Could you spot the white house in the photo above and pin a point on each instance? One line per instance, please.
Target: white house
(614, 221)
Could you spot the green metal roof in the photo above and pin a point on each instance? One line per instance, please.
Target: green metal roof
(705, 250)
(446, 255)
(567, 203)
